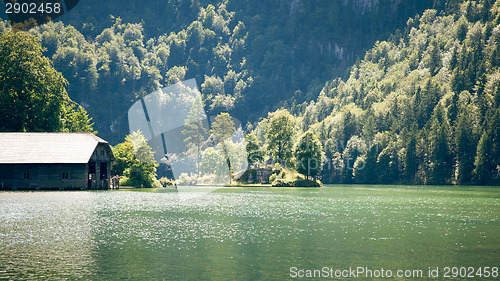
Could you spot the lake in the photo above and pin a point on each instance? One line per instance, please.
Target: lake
(200, 233)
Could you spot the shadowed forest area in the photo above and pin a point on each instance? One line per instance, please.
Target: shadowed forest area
(408, 98)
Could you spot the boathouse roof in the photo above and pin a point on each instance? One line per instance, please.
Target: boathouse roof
(48, 148)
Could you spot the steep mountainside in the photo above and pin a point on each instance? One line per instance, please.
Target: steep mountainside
(422, 107)
(247, 56)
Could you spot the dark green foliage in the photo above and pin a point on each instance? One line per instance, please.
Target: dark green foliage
(348, 128)
(483, 173)
(410, 160)
(427, 97)
(254, 150)
(434, 60)
(439, 158)
(308, 152)
(298, 182)
(365, 168)
(33, 97)
(283, 177)
(355, 147)
(388, 165)
(465, 140)
(453, 108)
(32, 92)
(461, 29)
(264, 52)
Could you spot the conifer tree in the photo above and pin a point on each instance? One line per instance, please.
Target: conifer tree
(367, 173)
(465, 155)
(482, 172)
(410, 159)
(440, 157)
(355, 147)
(388, 164)
(435, 60)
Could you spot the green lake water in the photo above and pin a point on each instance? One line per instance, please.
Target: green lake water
(207, 233)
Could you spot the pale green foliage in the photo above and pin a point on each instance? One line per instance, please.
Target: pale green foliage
(124, 155)
(213, 162)
(175, 74)
(142, 150)
(195, 132)
(355, 147)
(111, 61)
(238, 155)
(223, 127)
(279, 135)
(406, 100)
(135, 160)
(76, 119)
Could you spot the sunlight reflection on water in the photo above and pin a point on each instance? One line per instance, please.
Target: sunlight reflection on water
(258, 233)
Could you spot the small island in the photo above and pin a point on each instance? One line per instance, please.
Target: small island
(295, 168)
(276, 177)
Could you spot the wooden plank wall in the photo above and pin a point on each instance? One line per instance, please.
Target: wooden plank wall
(57, 176)
(43, 176)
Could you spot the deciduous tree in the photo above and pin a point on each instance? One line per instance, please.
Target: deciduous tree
(32, 93)
(308, 154)
(279, 135)
(195, 131)
(135, 161)
(254, 151)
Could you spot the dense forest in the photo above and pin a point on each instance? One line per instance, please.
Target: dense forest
(421, 107)
(247, 56)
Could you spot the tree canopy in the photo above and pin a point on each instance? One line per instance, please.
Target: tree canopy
(195, 132)
(279, 135)
(248, 58)
(421, 107)
(33, 97)
(308, 152)
(135, 161)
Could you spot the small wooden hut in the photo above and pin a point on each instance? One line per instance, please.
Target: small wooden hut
(54, 161)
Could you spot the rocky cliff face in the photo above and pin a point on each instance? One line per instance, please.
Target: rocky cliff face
(363, 6)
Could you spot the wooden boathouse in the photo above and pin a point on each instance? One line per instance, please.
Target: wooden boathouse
(48, 161)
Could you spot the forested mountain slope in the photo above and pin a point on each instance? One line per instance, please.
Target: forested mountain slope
(247, 56)
(422, 107)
